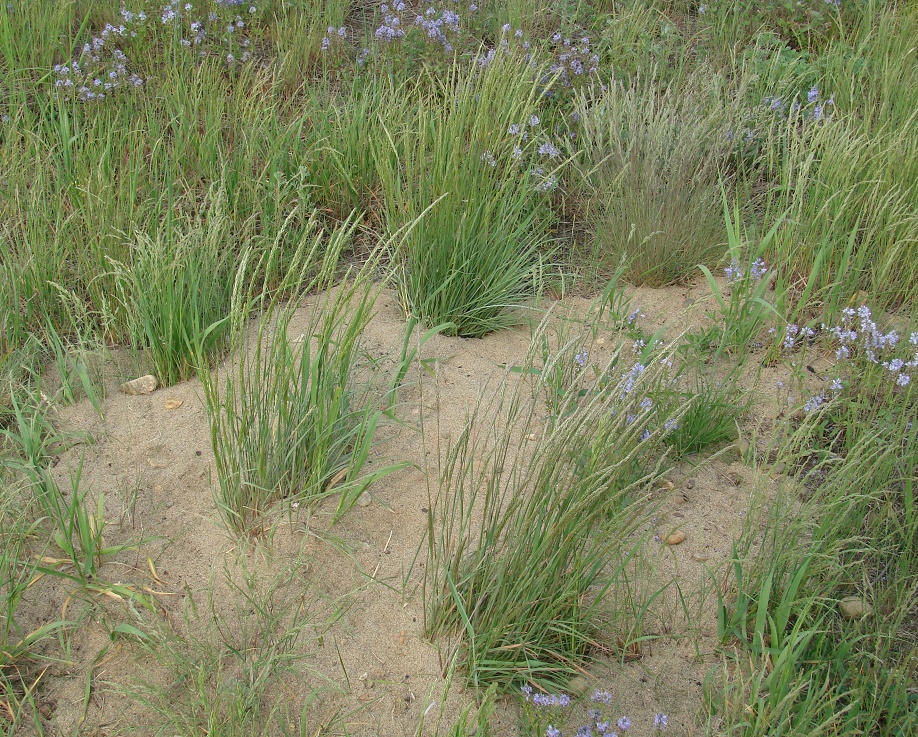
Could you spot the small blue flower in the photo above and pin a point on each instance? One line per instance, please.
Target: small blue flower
(660, 721)
(813, 94)
(548, 700)
(548, 184)
(733, 271)
(814, 403)
(549, 150)
(624, 723)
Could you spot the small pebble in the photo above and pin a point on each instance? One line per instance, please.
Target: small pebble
(364, 499)
(141, 385)
(676, 538)
(854, 607)
(778, 473)
(173, 403)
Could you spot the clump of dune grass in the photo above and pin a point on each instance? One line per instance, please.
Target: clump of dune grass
(289, 417)
(824, 585)
(176, 293)
(237, 666)
(652, 165)
(476, 256)
(525, 540)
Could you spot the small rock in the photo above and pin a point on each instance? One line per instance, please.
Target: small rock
(778, 472)
(364, 499)
(578, 685)
(676, 538)
(854, 607)
(690, 484)
(532, 436)
(700, 558)
(735, 478)
(173, 403)
(142, 385)
(688, 302)
(680, 498)
(664, 483)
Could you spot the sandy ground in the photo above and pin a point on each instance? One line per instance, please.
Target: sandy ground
(375, 672)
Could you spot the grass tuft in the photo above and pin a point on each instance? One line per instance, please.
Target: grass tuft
(522, 591)
(477, 254)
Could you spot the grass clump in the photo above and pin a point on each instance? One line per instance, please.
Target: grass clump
(825, 606)
(715, 406)
(850, 206)
(291, 419)
(177, 291)
(476, 253)
(218, 681)
(522, 591)
(20, 648)
(652, 163)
